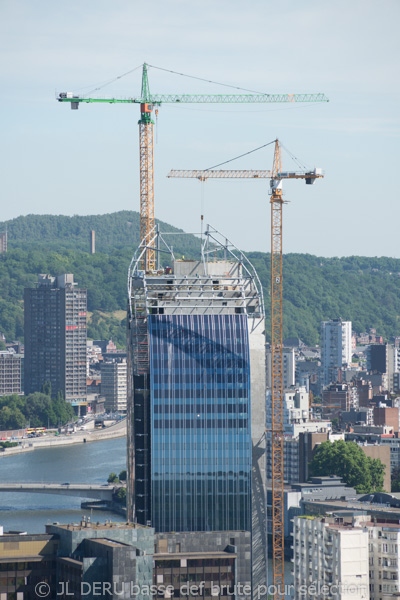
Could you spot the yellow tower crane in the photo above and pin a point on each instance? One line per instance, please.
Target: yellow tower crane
(149, 102)
(276, 433)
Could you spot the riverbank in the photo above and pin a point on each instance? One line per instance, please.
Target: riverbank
(80, 463)
(80, 437)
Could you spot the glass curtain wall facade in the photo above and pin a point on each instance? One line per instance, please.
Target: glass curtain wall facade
(200, 424)
(196, 363)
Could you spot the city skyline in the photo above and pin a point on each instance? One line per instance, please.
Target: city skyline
(352, 60)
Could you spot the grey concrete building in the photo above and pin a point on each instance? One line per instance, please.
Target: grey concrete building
(55, 337)
(93, 556)
(119, 560)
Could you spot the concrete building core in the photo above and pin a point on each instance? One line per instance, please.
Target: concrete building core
(196, 395)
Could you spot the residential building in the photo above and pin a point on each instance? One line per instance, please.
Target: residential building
(362, 415)
(11, 373)
(384, 560)
(394, 445)
(296, 408)
(347, 555)
(338, 398)
(335, 349)
(55, 337)
(387, 415)
(384, 359)
(331, 555)
(114, 384)
(378, 358)
(296, 421)
(318, 488)
(196, 397)
(364, 391)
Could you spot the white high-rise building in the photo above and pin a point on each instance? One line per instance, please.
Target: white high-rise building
(330, 558)
(335, 348)
(384, 560)
(114, 384)
(346, 556)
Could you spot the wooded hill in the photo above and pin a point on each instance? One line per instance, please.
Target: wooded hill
(363, 290)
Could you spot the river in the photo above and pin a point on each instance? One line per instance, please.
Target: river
(80, 463)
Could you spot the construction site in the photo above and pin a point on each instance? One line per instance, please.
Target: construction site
(196, 336)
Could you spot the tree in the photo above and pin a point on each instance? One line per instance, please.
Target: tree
(63, 411)
(348, 461)
(113, 478)
(39, 410)
(122, 475)
(46, 388)
(11, 418)
(377, 470)
(120, 496)
(396, 480)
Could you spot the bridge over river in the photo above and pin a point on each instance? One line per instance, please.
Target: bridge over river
(91, 490)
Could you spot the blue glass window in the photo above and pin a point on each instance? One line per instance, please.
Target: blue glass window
(200, 422)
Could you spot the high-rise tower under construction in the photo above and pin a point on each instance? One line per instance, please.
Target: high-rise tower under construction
(196, 394)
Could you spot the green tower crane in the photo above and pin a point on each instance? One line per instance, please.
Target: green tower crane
(147, 103)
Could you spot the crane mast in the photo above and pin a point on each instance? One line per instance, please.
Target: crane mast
(146, 175)
(276, 177)
(277, 375)
(147, 103)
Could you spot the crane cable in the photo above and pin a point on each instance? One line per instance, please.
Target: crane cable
(295, 159)
(235, 87)
(241, 155)
(110, 81)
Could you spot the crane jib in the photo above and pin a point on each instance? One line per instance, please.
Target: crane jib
(202, 98)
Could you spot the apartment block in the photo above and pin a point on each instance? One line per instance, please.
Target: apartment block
(296, 423)
(11, 373)
(55, 337)
(114, 384)
(330, 558)
(347, 555)
(338, 398)
(336, 350)
(384, 560)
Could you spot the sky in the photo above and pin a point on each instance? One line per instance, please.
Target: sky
(57, 161)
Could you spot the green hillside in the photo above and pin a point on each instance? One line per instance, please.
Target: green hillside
(363, 290)
(120, 230)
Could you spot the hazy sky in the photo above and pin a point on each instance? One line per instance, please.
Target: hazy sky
(59, 161)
